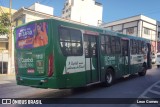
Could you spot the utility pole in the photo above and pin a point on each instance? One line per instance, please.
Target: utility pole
(2, 61)
(10, 39)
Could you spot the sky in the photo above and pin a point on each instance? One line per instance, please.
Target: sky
(112, 9)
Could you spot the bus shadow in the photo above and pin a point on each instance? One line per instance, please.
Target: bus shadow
(125, 79)
(66, 93)
(97, 87)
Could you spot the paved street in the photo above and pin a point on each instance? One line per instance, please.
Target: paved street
(130, 87)
(9, 89)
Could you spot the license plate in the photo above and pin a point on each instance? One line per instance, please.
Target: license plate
(30, 70)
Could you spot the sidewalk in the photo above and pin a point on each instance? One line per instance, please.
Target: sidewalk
(7, 78)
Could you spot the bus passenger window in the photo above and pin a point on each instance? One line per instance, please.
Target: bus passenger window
(103, 49)
(71, 41)
(93, 46)
(134, 46)
(86, 46)
(118, 46)
(113, 44)
(124, 52)
(144, 48)
(108, 49)
(105, 44)
(64, 35)
(124, 48)
(140, 47)
(93, 50)
(65, 48)
(102, 44)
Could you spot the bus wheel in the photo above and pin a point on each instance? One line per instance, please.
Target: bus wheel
(158, 66)
(109, 77)
(142, 72)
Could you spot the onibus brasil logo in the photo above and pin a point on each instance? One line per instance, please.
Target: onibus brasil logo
(21, 101)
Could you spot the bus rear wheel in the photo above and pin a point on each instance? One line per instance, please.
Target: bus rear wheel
(142, 72)
(109, 77)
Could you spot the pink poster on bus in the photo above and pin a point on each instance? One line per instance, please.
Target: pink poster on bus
(32, 35)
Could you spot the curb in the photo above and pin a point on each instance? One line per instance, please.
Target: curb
(7, 74)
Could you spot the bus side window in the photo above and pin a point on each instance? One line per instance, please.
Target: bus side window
(71, 41)
(124, 48)
(102, 44)
(113, 44)
(105, 44)
(64, 38)
(65, 48)
(140, 47)
(131, 45)
(144, 48)
(108, 44)
(124, 53)
(118, 45)
(137, 46)
(93, 46)
(76, 41)
(86, 46)
(134, 46)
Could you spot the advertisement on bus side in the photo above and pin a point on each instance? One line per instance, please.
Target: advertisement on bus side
(32, 35)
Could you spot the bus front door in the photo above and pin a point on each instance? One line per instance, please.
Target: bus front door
(91, 58)
(125, 56)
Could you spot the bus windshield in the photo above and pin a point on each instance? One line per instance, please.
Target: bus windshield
(32, 35)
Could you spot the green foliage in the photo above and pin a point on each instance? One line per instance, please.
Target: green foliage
(4, 24)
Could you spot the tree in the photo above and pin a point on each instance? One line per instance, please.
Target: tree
(4, 24)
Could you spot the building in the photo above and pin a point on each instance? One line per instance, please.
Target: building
(6, 10)
(84, 11)
(140, 26)
(42, 8)
(4, 45)
(24, 15)
(158, 39)
(35, 12)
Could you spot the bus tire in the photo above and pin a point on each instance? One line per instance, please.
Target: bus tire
(158, 66)
(109, 77)
(143, 71)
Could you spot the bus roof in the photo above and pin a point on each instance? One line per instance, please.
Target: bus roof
(134, 37)
(104, 30)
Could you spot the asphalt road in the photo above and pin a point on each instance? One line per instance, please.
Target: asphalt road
(130, 87)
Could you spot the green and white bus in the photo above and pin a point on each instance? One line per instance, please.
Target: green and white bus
(55, 53)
